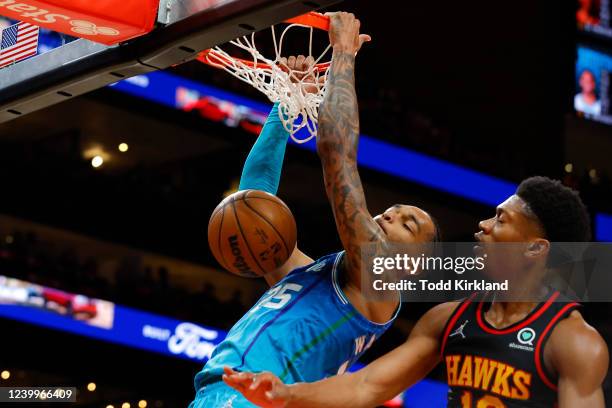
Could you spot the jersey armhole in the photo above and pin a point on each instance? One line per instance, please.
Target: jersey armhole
(345, 301)
(337, 288)
(543, 373)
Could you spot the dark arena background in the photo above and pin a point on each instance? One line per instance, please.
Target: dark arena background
(105, 197)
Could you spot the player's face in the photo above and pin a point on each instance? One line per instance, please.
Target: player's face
(511, 223)
(405, 223)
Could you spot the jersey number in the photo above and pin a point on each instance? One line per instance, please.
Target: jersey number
(488, 401)
(279, 296)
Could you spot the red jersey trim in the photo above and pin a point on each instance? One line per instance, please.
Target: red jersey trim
(453, 319)
(538, 351)
(515, 327)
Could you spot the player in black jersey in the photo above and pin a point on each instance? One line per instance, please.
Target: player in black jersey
(497, 354)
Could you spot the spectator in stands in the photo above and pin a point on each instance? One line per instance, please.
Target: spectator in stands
(586, 101)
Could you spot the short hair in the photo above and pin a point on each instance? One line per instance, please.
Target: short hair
(558, 209)
(437, 235)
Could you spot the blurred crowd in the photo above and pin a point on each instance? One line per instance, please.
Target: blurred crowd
(26, 257)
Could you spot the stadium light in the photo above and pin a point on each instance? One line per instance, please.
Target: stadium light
(123, 147)
(91, 386)
(97, 161)
(142, 404)
(5, 375)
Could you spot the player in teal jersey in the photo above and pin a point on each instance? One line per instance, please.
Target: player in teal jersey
(314, 321)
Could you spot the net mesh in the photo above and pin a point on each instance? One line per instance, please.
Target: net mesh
(299, 93)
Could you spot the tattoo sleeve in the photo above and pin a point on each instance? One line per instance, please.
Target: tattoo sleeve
(337, 140)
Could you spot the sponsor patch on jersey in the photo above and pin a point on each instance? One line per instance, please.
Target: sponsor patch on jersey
(525, 337)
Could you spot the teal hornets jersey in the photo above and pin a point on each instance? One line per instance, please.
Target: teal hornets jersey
(302, 329)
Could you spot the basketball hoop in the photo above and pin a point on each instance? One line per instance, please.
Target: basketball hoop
(299, 93)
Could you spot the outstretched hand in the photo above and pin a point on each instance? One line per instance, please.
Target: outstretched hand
(264, 389)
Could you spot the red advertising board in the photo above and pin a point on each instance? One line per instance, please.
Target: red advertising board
(105, 21)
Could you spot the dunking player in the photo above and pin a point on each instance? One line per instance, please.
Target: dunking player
(313, 322)
(560, 360)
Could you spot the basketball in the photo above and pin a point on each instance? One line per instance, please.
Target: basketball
(251, 233)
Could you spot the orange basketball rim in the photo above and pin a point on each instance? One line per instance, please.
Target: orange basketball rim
(312, 19)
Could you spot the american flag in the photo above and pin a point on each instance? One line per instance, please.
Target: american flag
(19, 41)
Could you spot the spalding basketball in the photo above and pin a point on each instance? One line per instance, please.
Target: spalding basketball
(251, 233)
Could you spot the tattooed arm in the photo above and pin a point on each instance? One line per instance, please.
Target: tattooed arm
(337, 141)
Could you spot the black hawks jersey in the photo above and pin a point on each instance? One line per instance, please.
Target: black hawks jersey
(495, 368)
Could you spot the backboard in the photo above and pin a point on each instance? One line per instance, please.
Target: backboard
(183, 29)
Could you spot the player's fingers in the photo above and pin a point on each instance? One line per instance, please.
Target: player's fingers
(308, 62)
(229, 380)
(282, 63)
(291, 62)
(233, 378)
(334, 18)
(363, 38)
(299, 63)
(229, 371)
(258, 380)
(240, 380)
(246, 377)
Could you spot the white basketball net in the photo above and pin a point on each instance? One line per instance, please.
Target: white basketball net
(299, 93)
